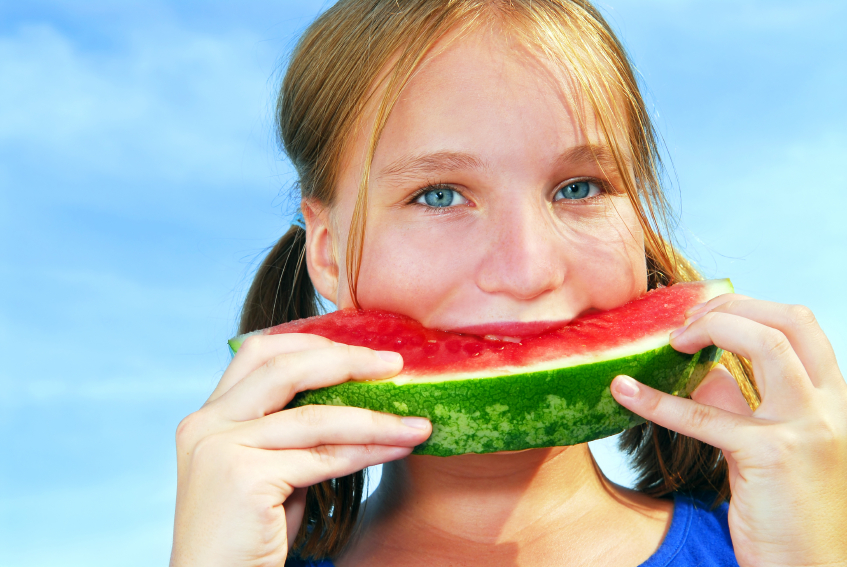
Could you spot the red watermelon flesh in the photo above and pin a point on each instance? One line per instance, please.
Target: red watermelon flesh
(445, 373)
(427, 352)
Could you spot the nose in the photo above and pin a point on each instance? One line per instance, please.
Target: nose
(524, 257)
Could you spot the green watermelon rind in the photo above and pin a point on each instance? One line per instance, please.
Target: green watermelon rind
(565, 406)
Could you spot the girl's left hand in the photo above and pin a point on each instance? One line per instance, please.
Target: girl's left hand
(788, 459)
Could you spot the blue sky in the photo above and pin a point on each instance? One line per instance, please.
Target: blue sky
(140, 183)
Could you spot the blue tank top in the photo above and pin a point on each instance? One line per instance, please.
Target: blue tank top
(698, 536)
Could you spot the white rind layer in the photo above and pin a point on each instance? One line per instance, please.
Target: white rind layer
(712, 289)
(652, 342)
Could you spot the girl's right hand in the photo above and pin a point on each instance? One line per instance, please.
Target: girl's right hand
(243, 465)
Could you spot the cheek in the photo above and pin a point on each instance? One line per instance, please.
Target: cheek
(421, 272)
(612, 264)
(602, 248)
(411, 271)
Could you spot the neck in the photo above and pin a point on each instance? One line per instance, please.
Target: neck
(490, 498)
(537, 507)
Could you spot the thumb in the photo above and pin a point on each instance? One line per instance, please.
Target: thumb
(295, 507)
(713, 425)
(719, 389)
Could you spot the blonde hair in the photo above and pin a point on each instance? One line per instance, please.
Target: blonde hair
(333, 75)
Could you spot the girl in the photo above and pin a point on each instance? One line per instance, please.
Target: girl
(488, 166)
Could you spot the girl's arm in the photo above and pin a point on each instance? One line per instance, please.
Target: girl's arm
(788, 459)
(244, 465)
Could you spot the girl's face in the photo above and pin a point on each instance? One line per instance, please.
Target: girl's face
(487, 211)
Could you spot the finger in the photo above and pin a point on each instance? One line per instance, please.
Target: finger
(800, 327)
(258, 349)
(295, 507)
(712, 425)
(301, 468)
(271, 386)
(703, 308)
(719, 389)
(310, 426)
(780, 376)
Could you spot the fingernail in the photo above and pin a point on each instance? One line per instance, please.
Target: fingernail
(416, 422)
(626, 386)
(389, 356)
(678, 332)
(694, 309)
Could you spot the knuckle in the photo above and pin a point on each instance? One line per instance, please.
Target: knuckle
(189, 429)
(282, 361)
(272, 363)
(357, 351)
(311, 415)
(378, 420)
(802, 315)
(321, 454)
(655, 404)
(774, 343)
(352, 351)
(384, 425)
(699, 416)
(342, 349)
(367, 450)
(252, 345)
(828, 433)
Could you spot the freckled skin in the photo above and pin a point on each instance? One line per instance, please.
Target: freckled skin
(511, 254)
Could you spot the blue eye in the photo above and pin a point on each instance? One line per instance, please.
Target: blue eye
(441, 197)
(577, 190)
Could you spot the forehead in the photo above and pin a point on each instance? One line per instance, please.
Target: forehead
(487, 94)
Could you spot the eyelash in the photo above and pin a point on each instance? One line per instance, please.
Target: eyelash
(603, 185)
(432, 187)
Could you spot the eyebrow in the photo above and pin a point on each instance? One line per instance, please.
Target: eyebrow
(589, 153)
(423, 165)
(427, 164)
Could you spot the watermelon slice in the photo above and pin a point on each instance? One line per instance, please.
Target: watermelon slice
(485, 394)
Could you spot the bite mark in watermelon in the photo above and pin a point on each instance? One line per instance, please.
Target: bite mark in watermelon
(485, 395)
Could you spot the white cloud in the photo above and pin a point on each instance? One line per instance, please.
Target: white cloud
(124, 521)
(709, 18)
(167, 106)
(113, 338)
(135, 390)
